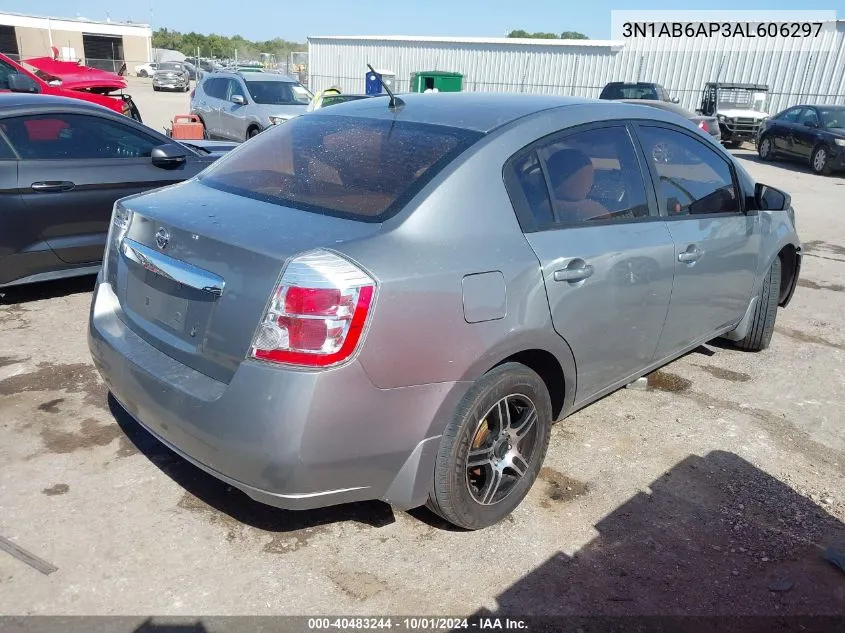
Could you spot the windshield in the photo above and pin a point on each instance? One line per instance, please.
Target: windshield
(630, 91)
(170, 66)
(741, 99)
(278, 93)
(359, 168)
(832, 117)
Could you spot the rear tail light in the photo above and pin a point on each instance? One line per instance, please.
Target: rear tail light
(121, 218)
(317, 313)
(703, 126)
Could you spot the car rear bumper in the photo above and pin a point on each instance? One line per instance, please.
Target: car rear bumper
(291, 439)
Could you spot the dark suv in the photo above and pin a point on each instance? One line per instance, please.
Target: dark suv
(639, 90)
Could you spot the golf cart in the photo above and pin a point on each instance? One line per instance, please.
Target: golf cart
(739, 108)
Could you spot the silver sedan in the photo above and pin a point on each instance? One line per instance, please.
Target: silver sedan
(396, 300)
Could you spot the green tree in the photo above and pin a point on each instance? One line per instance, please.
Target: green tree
(214, 45)
(566, 35)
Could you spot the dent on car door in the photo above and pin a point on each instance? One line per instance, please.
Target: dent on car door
(606, 256)
(73, 168)
(717, 244)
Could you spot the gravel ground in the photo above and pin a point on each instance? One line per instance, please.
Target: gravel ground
(714, 490)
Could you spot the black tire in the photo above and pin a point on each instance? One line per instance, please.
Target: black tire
(156, 89)
(765, 150)
(820, 161)
(451, 496)
(763, 321)
(252, 132)
(142, 73)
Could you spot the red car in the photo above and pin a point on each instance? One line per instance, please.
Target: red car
(67, 79)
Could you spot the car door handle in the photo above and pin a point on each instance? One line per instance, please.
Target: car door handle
(690, 256)
(50, 186)
(576, 273)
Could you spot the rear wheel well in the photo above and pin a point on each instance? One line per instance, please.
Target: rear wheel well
(545, 365)
(253, 127)
(788, 267)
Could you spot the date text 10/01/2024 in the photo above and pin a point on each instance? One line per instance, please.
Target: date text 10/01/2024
(415, 624)
(722, 29)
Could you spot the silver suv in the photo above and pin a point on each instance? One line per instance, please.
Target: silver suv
(237, 106)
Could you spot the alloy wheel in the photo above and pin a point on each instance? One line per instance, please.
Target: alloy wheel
(502, 449)
(820, 159)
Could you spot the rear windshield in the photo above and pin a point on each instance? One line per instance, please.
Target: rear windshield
(278, 93)
(629, 91)
(359, 168)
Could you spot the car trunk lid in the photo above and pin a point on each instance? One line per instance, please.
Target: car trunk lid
(197, 267)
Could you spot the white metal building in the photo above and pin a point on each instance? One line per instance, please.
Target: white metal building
(103, 44)
(813, 71)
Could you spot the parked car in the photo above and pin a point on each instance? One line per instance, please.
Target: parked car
(63, 163)
(67, 79)
(171, 76)
(638, 90)
(350, 306)
(707, 124)
(192, 70)
(237, 106)
(146, 70)
(333, 96)
(739, 108)
(808, 133)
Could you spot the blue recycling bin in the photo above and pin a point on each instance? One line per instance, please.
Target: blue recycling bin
(374, 86)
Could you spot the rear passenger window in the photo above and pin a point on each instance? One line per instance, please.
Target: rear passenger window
(5, 151)
(692, 179)
(585, 177)
(216, 87)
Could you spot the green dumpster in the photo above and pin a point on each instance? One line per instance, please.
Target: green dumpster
(438, 80)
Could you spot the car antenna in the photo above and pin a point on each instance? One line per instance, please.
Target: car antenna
(394, 101)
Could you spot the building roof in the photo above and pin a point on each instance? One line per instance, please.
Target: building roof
(470, 40)
(78, 24)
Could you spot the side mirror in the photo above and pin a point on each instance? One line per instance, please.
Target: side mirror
(811, 124)
(169, 156)
(768, 198)
(21, 83)
(675, 100)
(238, 100)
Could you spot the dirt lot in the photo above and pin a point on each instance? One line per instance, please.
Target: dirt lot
(714, 491)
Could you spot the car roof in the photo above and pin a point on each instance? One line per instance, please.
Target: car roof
(253, 76)
(476, 111)
(660, 105)
(26, 101)
(632, 83)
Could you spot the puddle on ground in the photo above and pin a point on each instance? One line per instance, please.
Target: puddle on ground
(58, 489)
(560, 488)
(819, 245)
(91, 433)
(5, 361)
(814, 285)
(665, 381)
(803, 337)
(725, 374)
(72, 377)
(51, 406)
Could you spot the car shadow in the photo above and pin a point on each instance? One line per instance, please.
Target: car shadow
(712, 536)
(225, 499)
(47, 290)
